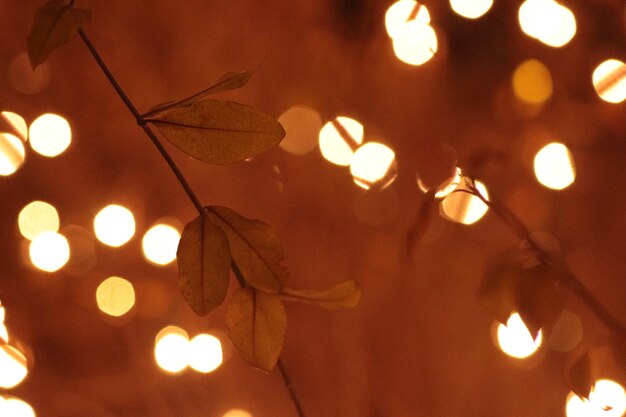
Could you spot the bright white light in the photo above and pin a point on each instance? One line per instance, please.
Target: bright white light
(547, 21)
(515, 339)
(402, 11)
(115, 296)
(463, 207)
(607, 399)
(609, 80)
(205, 353)
(415, 44)
(554, 166)
(50, 135)
(471, 9)
(14, 407)
(237, 412)
(338, 138)
(373, 166)
(13, 368)
(17, 123)
(114, 225)
(49, 251)
(171, 350)
(37, 217)
(160, 244)
(12, 153)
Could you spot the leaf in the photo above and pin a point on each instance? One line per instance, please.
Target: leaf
(228, 81)
(256, 324)
(255, 248)
(497, 293)
(347, 294)
(579, 376)
(55, 24)
(618, 347)
(219, 132)
(424, 215)
(539, 299)
(203, 265)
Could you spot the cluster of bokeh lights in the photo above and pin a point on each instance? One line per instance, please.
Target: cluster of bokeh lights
(174, 351)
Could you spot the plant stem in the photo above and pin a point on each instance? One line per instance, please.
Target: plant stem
(567, 276)
(181, 179)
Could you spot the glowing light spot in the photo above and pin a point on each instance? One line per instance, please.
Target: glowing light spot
(302, 125)
(373, 166)
(14, 407)
(16, 123)
(547, 21)
(607, 399)
(609, 80)
(115, 296)
(403, 11)
(50, 135)
(515, 339)
(114, 225)
(462, 207)
(205, 353)
(13, 367)
(237, 412)
(171, 349)
(415, 44)
(471, 9)
(4, 334)
(554, 166)
(37, 217)
(339, 139)
(12, 153)
(160, 244)
(49, 251)
(532, 82)
(566, 333)
(26, 80)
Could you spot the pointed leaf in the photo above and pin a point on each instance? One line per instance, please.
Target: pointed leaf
(497, 293)
(55, 24)
(579, 376)
(256, 324)
(539, 298)
(219, 132)
(203, 265)
(228, 81)
(255, 248)
(347, 294)
(420, 226)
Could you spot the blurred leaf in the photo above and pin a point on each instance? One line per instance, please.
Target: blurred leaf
(255, 248)
(497, 293)
(55, 24)
(203, 265)
(539, 299)
(619, 351)
(579, 376)
(256, 324)
(219, 132)
(424, 215)
(347, 294)
(228, 81)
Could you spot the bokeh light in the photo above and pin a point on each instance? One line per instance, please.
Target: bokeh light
(16, 123)
(548, 21)
(12, 153)
(566, 333)
(37, 217)
(532, 82)
(339, 138)
(554, 166)
(205, 353)
(403, 11)
(609, 80)
(26, 80)
(160, 244)
(114, 225)
(115, 296)
(461, 206)
(373, 166)
(50, 135)
(49, 251)
(415, 43)
(515, 339)
(606, 399)
(14, 407)
(13, 366)
(171, 350)
(237, 412)
(301, 124)
(471, 9)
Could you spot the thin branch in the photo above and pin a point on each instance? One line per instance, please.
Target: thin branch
(181, 179)
(567, 276)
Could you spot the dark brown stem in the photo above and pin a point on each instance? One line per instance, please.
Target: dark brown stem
(567, 276)
(181, 179)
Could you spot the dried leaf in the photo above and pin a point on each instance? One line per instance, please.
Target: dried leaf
(255, 248)
(55, 24)
(497, 293)
(579, 376)
(203, 265)
(228, 81)
(219, 132)
(420, 226)
(347, 294)
(539, 299)
(256, 324)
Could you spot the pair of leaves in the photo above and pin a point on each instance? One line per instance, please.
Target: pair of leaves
(533, 292)
(255, 319)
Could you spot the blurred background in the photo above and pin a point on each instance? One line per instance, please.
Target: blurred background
(520, 94)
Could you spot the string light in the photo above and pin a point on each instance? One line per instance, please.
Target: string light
(461, 206)
(515, 339)
(532, 82)
(205, 353)
(415, 43)
(14, 407)
(471, 9)
(373, 166)
(115, 296)
(13, 367)
(114, 225)
(49, 251)
(339, 138)
(301, 124)
(606, 399)
(609, 80)
(403, 11)
(12, 153)
(547, 21)
(160, 244)
(554, 166)
(171, 349)
(16, 123)
(50, 135)
(37, 217)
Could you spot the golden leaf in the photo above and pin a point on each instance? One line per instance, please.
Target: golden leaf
(347, 294)
(203, 265)
(55, 24)
(256, 323)
(219, 132)
(255, 248)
